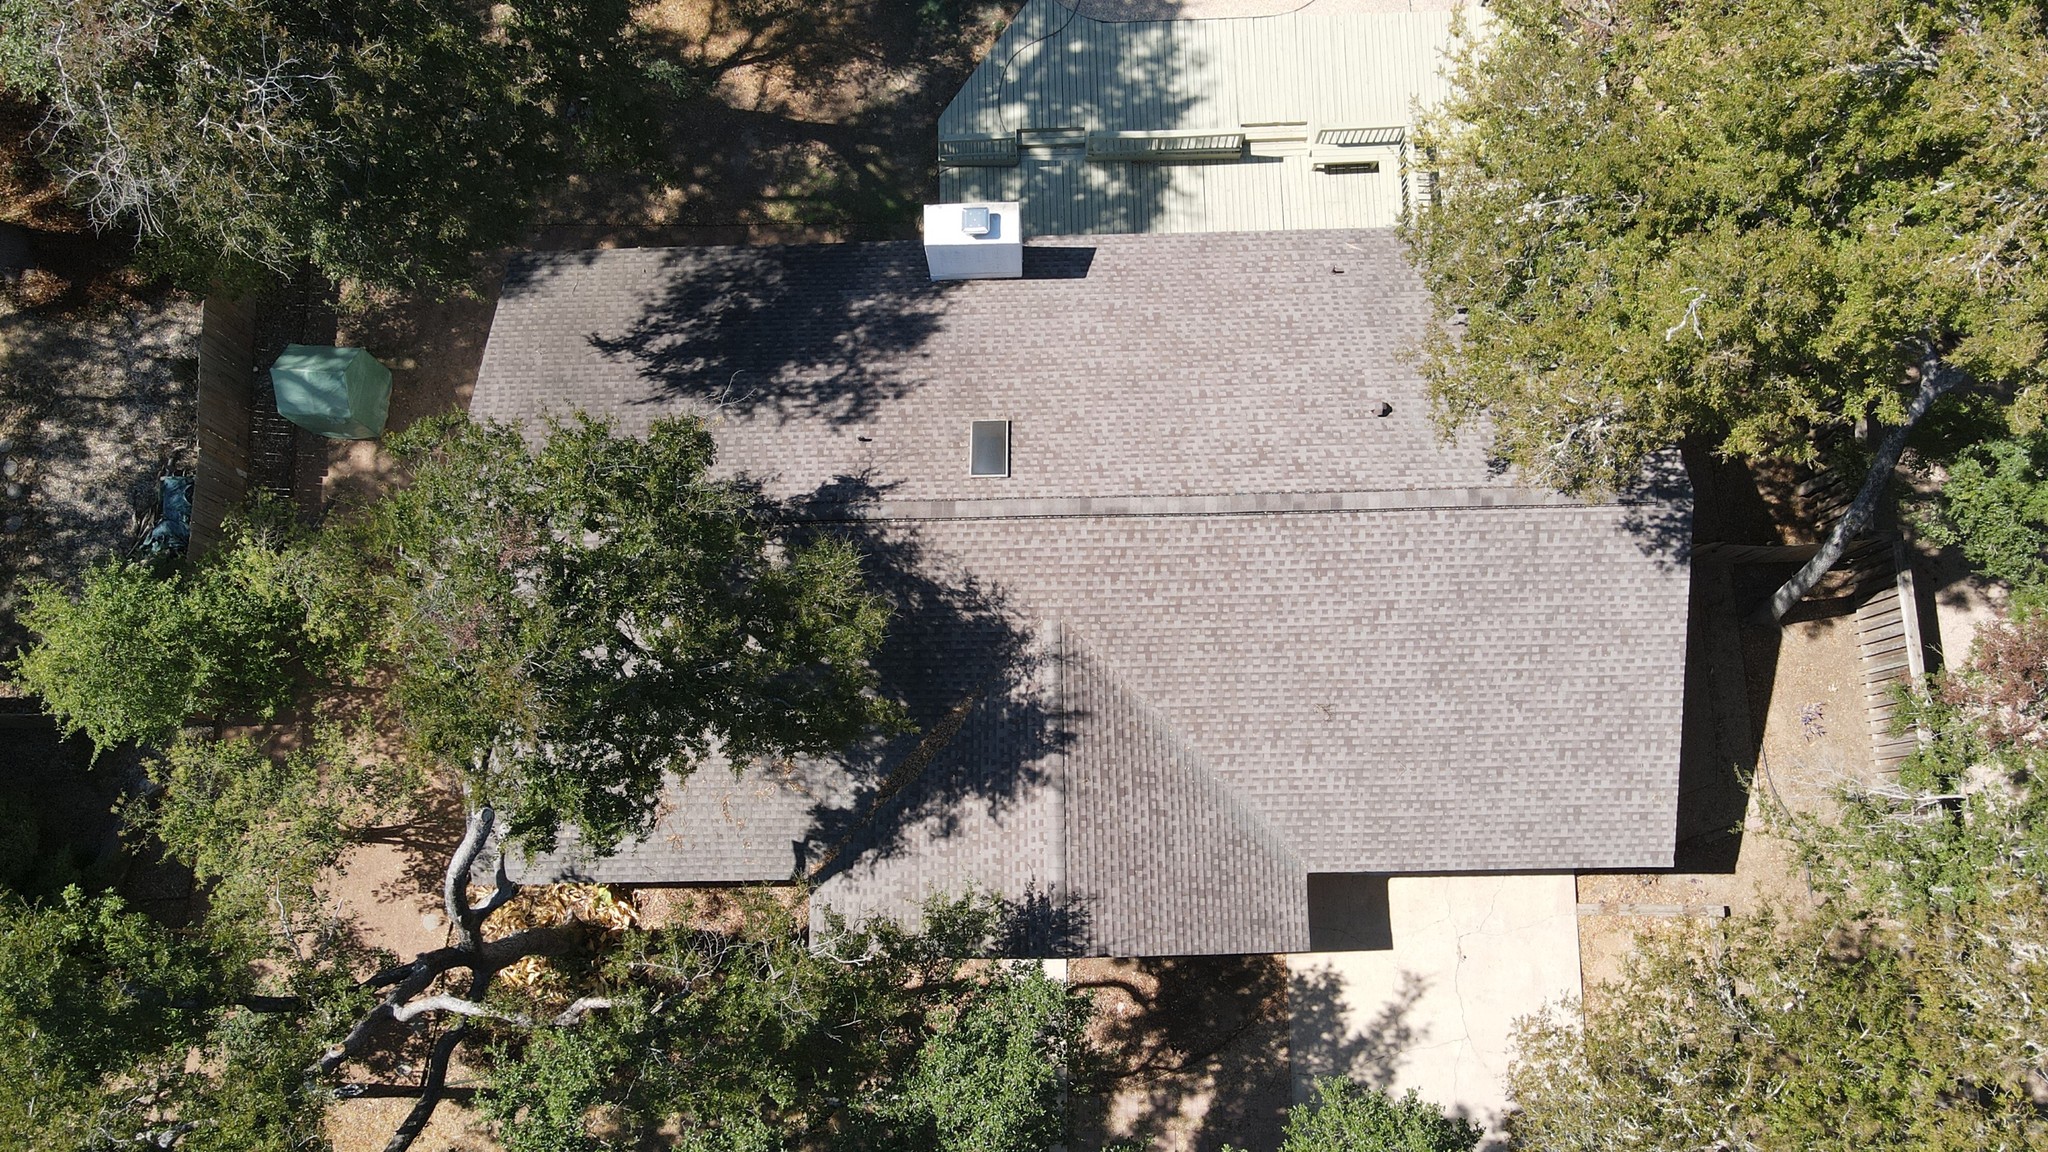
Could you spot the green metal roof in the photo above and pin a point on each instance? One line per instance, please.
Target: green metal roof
(1251, 123)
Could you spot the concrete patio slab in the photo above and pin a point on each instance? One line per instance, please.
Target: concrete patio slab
(1468, 955)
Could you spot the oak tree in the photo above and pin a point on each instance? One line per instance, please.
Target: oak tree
(557, 626)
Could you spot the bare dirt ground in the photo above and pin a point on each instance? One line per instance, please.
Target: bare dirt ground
(1775, 721)
(97, 377)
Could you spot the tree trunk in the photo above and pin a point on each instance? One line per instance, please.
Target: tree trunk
(1936, 380)
(435, 1082)
(431, 1090)
(483, 959)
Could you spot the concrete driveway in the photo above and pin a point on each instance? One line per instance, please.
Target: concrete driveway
(1429, 975)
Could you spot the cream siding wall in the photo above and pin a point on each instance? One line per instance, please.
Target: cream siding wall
(1279, 79)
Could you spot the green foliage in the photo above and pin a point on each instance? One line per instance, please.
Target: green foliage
(386, 143)
(1347, 1117)
(1906, 1012)
(569, 622)
(752, 1041)
(134, 656)
(1964, 821)
(259, 827)
(100, 1009)
(1741, 221)
(1828, 1035)
(988, 1076)
(116, 662)
(1994, 505)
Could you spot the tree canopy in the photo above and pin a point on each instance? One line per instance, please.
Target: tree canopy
(386, 143)
(1908, 1011)
(556, 626)
(1742, 222)
(134, 654)
(1993, 504)
(1344, 1116)
(115, 1029)
(883, 1041)
(567, 622)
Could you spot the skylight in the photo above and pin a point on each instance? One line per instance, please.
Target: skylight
(989, 448)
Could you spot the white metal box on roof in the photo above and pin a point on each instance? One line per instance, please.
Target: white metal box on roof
(974, 241)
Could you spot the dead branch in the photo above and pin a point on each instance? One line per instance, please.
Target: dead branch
(410, 980)
(460, 1007)
(432, 1086)
(455, 882)
(1937, 379)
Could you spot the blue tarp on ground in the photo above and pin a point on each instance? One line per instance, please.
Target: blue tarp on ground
(173, 529)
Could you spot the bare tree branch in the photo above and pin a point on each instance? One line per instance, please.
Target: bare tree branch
(431, 1088)
(460, 1007)
(410, 980)
(455, 881)
(1937, 379)
(580, 1008)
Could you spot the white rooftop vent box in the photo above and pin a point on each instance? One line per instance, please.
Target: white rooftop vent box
(973, 241)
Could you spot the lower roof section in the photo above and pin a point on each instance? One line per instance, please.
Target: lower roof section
(1145, 731)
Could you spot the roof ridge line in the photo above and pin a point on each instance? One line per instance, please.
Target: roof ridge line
(1211, 504)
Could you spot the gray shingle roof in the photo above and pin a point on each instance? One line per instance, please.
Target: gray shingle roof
(1220, 628)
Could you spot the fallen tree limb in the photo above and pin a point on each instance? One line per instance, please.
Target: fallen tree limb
(432, 1087)
(1937, 379)
(462, 1007)
(426, 968)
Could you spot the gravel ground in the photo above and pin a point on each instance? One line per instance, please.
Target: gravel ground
(94, 405)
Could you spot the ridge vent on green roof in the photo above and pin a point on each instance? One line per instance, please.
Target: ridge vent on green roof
(1383, 137)
(987, 150)
(1157, 147)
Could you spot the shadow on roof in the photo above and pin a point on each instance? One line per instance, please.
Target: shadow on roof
(970, 673)
(1051, 78)
(1658, 511)
(799, 332)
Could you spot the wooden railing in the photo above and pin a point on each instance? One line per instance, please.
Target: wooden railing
(226, 364)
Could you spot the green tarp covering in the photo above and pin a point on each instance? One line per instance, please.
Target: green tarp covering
(341, 393)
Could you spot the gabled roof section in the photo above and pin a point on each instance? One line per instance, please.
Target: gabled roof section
(1162, 858)
(1129, 366)
(1236, 615)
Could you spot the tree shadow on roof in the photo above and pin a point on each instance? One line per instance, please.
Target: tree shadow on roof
(1658, 511)
(804, 331)
(1051, 72)
(971, 675)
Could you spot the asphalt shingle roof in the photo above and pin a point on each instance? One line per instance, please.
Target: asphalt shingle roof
(1221, 627)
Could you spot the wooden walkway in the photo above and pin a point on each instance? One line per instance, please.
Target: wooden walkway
(1888, 636)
